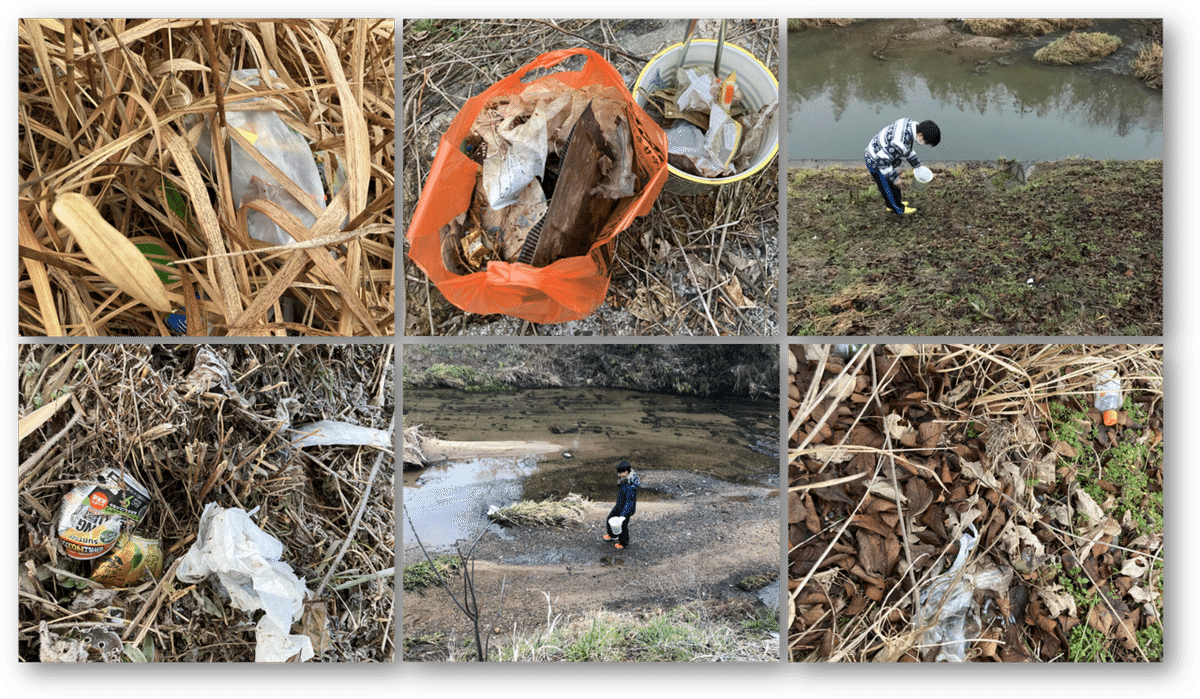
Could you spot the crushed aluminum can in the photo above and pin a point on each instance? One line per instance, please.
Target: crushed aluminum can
(93, 514)
(131, 560)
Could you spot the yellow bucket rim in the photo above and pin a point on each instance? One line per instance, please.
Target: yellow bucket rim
(715, 180)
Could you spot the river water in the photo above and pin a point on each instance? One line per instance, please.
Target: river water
(840, 95)
(735, 440)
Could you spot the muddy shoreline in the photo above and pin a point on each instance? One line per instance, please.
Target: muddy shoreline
(707, 512)
(699, 544)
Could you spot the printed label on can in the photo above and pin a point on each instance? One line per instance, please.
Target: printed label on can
(93, 514)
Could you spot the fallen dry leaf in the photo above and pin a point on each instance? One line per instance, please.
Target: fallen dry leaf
(116, 258)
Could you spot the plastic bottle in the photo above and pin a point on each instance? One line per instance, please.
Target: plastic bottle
(1108, 395)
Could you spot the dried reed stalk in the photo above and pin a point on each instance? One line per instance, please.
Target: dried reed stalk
(110, 113)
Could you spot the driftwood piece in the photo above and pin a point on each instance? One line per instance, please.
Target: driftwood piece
(576, 215)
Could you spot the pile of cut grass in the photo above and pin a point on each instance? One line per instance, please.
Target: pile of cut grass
(1078, 47)
(548, 513)
(109, 115)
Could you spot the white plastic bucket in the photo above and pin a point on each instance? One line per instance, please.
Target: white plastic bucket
(615, 523)
(921, 177)
(758, 87)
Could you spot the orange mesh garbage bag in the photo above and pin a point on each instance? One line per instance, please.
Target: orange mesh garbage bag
(570, 288)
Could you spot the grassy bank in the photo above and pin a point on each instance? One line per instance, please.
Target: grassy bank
(1075, 250)
(732, 370)
(696, 632)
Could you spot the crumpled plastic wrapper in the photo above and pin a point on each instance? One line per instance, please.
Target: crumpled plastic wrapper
(700, 92)
(246, 561)
(960, 614)
(286, 149)
(335, 433)
(722, 145)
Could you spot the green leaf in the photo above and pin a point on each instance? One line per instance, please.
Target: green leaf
(175, 200)
(158, 256)
(134, 655)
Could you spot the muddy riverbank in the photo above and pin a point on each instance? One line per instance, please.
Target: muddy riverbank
(1072, 247)
(707, 515)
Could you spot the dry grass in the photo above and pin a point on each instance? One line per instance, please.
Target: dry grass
(548, 513)
(853, 481)
(702, 265)
(129, 406)
(1023, 27)
(1148, 66)
(1078, 47)
(795, 25)
(112, 110)
(696, 632)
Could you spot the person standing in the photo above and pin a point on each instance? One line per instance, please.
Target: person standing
(890, 147)
(627, 486)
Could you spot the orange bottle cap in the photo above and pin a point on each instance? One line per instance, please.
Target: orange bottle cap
(1110, 417)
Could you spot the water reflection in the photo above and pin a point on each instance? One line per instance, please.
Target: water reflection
(449, 501)
(840, 94)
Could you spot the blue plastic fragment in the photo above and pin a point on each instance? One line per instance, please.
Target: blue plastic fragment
(177, 323)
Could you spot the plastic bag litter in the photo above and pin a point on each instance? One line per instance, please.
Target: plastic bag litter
(960, 613)
(332, 433)
(285, 148)
(688, 144)
(245, 560)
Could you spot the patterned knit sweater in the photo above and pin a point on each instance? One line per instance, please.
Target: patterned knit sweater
(627, 495)
(891, 146)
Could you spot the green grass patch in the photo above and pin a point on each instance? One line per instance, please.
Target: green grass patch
(686, 633)
(420, 575)
(1077, 249)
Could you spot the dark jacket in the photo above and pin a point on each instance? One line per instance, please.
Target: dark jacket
(627, 496)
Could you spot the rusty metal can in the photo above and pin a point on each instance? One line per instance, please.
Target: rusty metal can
(131, 560)
(93, 514)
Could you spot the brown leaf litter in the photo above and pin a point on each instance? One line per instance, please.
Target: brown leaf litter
(904, 458)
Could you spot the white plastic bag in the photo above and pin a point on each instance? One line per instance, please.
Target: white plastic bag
(246, 561)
